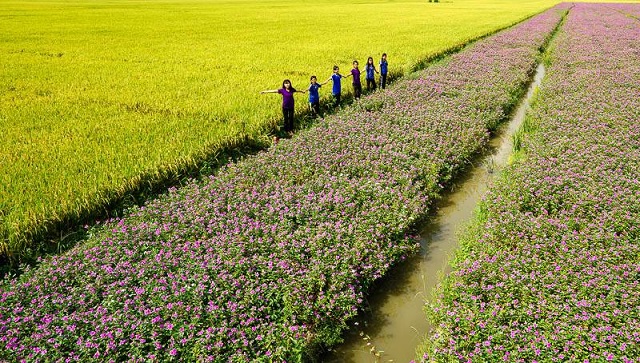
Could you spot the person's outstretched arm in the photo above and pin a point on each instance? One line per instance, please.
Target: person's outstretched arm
(269, 91)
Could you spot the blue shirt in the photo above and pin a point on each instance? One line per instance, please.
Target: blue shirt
(313, 93)
(383, 67)
(337, 87)
(370, 71)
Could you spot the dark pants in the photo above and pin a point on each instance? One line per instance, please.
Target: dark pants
(383, 80)
(371, 84)
(315, 108)
(357, 90)
(288, 119)
(336, 99)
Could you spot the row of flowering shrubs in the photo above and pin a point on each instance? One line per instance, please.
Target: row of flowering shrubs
(551, 270)
(270, 257)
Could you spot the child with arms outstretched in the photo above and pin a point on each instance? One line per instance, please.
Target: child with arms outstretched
(371, 70)
(314, 96)
(336, 91)
(357, 85)
(288, 104)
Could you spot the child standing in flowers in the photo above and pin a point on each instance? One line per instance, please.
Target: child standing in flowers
(336, 78)
(357, 86)
(371, 70)
(384, 69)
(314, 96)
(288, 104)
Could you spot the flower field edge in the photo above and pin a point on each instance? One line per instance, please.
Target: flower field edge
(60, 231)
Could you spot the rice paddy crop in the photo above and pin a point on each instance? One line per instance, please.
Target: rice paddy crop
(270, 257)
(551, 271)
(100, 98)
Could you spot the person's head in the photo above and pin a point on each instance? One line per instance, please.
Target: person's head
(370, 61)
(314, 79)
(384, 56)
(336, 69)
(355, 64)
(286, 84)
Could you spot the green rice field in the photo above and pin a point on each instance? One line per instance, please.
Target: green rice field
(99, 97)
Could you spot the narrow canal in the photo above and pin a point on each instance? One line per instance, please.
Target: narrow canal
(396, 324)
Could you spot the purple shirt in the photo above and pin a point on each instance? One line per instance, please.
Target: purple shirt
(356, 76)
(287, 97)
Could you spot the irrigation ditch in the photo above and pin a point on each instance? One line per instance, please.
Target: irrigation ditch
(394, 323)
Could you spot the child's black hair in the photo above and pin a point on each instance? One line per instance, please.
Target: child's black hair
(312, 77)
(335, 68)
(287, 81)
(368, 65)
(384, 54)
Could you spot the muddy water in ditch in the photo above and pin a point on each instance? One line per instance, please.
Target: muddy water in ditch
(396, 324)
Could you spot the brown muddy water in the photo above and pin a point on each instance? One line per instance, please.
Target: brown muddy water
(395, 323)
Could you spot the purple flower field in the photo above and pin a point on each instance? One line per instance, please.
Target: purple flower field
(551, 272)
(268, 259)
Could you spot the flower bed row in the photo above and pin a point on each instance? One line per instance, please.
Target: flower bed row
(551, 270)
(270, 257)
(628, 9)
